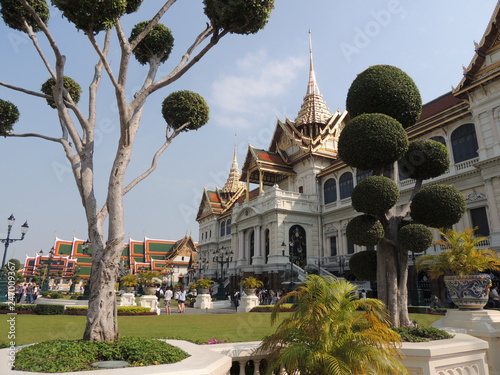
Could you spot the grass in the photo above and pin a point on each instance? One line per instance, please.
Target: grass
(197, 328)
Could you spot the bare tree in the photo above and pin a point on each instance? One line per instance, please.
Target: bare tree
(150, 43)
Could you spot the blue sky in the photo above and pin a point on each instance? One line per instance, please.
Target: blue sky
(248, 81)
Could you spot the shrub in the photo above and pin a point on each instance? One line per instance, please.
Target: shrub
(385, 89)
(49, 309)
(92, 16)
(422, 334)
(70, 356)
(438, 206)
(365, 230)
(185, 106)
(156, 45)
(425, 159)
(363, 265)
(415, 237)
(239, 16)
(17, 307)
(14, 14)
(372, 140)
(9, 115)
(72, 86)
(375, 195)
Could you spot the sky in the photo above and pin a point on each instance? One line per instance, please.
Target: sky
(249, 81)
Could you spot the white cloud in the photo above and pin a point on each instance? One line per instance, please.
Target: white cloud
(238, 96)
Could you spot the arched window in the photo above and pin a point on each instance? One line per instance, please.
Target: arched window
(346, 185)
(361, 175)
(330, 190)
(228, 227)
(464, 143)
(439, 139)
(222, 228)
(297, 245)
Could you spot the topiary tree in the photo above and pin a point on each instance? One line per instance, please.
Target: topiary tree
(71, 88)
(9, 115)
(150, 43)
(363, 265)
(382, 102)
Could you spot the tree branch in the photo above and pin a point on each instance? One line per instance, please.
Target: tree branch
(406, 209)
(154, 162)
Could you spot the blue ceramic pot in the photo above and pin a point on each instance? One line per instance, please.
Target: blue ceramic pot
(469, 292)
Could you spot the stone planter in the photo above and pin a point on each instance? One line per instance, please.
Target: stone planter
(128, 289)
(149, 290)
(468, 292)
(250, 291)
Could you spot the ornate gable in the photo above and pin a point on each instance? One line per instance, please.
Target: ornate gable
(485, 64)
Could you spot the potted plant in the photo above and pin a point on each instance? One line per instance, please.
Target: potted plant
(128, 282)
(462, 264)
(249, 284)
(203, 285)
(149, 280)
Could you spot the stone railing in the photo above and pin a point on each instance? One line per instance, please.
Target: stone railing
(464, 354)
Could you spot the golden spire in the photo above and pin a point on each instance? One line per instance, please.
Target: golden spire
(233, 183)
(313, 110)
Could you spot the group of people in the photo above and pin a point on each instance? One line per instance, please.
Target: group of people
(168, 294)
(27, 290)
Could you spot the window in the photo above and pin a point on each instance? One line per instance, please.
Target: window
(361, 175)
(266, 244)
(479, 219)
(346, 185)
(228, 227)
(330, 190)
(252, 246)
(464, 143)
(333, 246)
(222, 228)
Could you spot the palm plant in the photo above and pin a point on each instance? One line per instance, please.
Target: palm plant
(332, 332)
(462, 257)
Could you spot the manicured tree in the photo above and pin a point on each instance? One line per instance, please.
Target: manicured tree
(150, 43)
(382, 102)
(331, 331)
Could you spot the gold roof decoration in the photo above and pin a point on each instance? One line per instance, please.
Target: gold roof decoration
(313, 110)
(233, 183)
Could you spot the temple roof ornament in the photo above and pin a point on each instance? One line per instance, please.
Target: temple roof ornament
(313, 110)
(233, 183)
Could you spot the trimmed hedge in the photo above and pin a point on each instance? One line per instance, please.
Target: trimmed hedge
(415, 237)
(375, 195)
(50, 309)
(385, 89)
(425, 159)
(122, 310)
(372, 140)
(365, 230)
(157, 44)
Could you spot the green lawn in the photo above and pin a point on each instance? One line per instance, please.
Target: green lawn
(230, 327)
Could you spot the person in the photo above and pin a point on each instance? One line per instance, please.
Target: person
(167, 298)
(435, 302)
(34, 294)
(29, 293)
(363, 294)
(495, 297)
(181, 302)
(19, 293)
(159, 292)
(236, 299)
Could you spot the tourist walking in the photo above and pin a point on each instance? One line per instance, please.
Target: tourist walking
(29, 293)
(181, 302)
(495, 297)
(167, 299)
(34, 293)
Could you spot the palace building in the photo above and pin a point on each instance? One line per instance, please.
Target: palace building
(286, 212)
(175, 260)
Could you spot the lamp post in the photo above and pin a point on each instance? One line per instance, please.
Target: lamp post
(45, 284)
(75, 274)
(222, 255)
(341, 260)
(7, 241)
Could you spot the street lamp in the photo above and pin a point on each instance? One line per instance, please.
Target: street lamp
(341, 260)
(73, 279)
(7, 241)
(222, 255)
(45, 284)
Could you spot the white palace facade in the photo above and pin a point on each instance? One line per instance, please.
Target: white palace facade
(289, 206)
